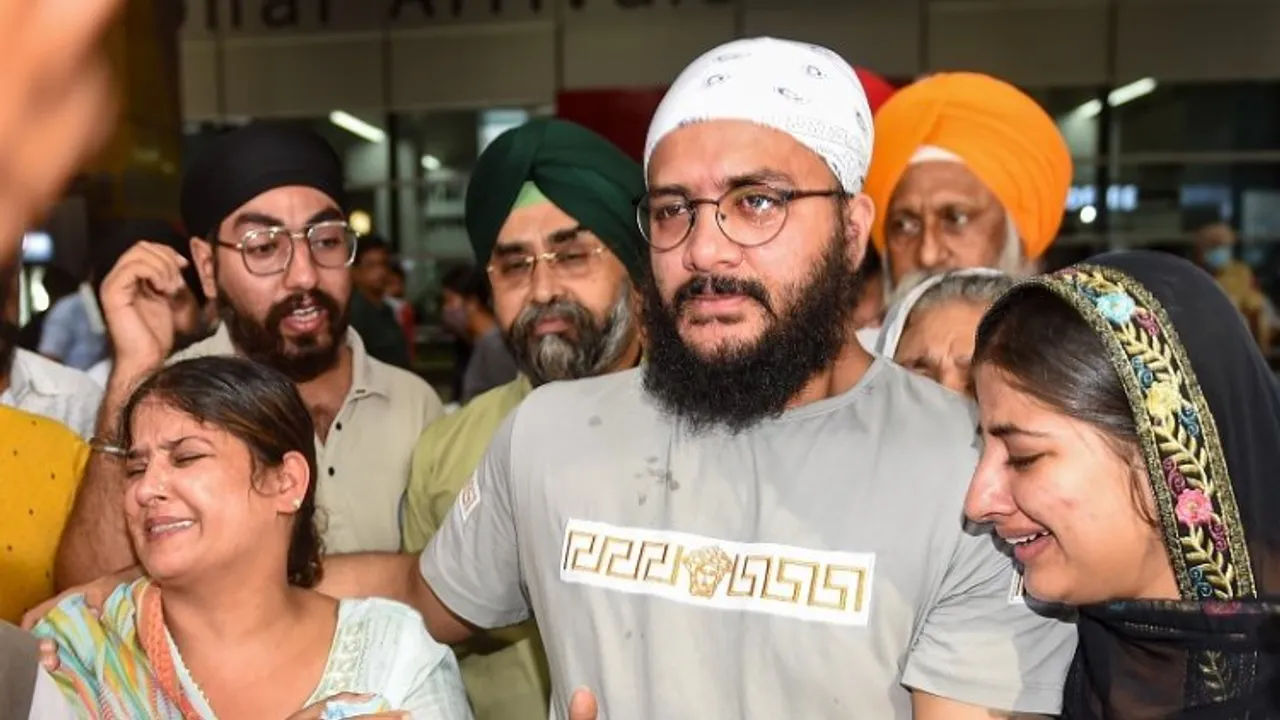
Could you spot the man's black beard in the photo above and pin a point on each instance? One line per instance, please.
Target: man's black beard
(303, 359)
(594, 348)
(745, 383)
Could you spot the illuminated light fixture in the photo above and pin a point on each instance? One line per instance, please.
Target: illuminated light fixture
(361, 222)
(431, 162)
(1088, 214)
(1119, 96)
(358, 127)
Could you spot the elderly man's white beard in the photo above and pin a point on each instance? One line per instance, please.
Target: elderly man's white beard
(1011, 262)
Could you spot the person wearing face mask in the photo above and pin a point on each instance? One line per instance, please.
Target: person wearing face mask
(549, 211)
(464, 303)
(1215, 252)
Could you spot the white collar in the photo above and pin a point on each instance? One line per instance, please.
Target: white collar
(368, 375)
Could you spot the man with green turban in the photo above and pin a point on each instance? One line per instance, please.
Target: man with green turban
(551, 217)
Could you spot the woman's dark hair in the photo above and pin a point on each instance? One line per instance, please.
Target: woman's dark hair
(1048, 351)
(258, 406)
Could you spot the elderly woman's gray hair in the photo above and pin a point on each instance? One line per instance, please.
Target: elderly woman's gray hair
(979, 286)
(979, 289)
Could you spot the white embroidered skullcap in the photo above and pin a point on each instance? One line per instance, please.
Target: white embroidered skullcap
(803, 90)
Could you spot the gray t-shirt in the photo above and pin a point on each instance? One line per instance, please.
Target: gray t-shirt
(813, 566)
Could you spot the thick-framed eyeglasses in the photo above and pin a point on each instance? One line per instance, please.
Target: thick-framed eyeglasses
(269, 251)
(573, 258)
(750, 215)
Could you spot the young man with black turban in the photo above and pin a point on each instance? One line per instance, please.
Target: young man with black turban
(269, 238)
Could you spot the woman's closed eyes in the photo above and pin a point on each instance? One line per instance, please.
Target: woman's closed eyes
(177, 458)
(1021, 463)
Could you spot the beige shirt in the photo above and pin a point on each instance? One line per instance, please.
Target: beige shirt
(364, 466)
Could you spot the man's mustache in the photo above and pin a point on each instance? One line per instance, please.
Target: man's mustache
(713, 285)
(285, 307)
(565, 310)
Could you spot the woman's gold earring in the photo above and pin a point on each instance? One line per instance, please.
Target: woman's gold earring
(297, 505)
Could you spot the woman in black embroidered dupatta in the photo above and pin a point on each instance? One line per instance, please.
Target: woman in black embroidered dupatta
(1145, 351)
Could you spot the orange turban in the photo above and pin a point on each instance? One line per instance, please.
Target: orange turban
(1001, 134)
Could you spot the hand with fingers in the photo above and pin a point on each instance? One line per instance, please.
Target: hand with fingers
(56, 102)
(137, 303)
(95, 595)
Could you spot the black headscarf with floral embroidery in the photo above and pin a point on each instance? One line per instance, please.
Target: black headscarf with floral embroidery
(1207, 410)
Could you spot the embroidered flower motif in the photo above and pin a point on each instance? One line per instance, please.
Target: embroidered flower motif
(1204, 590)
(1163, 399)
(1142, 372)
(1190, 420)
(1218, 534)
(1116, 307)
(1212, 573)
(1147, 321)
(1172, 475)
(1194, 508)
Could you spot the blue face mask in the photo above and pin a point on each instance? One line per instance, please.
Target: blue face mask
(1217, 258)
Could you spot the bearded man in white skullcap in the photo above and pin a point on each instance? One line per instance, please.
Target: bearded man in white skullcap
(762, 521)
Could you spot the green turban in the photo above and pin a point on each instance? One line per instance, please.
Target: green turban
(585, 175)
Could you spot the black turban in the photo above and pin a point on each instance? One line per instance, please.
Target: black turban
(585, 175)
(243, 164)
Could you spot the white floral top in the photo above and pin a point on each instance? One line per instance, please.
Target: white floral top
(380, 647)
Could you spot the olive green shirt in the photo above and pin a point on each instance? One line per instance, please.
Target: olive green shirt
(505, 671)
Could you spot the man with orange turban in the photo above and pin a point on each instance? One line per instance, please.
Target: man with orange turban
(967, 171)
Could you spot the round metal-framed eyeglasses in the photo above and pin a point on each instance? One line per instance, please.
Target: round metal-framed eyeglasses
(749, 215)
